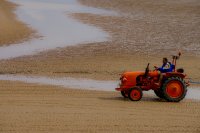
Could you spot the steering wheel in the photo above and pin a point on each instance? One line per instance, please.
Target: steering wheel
(155, 68)
(146, 70)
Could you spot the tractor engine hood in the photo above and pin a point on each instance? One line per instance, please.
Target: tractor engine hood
(128, 79)
(132, 74)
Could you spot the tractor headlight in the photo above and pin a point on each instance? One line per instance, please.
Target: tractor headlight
(123, 80)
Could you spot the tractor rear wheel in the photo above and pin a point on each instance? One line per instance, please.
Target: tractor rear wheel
(174, 89)
(135, 94)
(159, 93)
(124, 94)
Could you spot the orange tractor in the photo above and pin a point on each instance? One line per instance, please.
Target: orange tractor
(172, 87)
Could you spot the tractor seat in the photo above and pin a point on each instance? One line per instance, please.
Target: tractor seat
(172, 67)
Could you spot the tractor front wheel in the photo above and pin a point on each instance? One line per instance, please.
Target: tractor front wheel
(174, 89)
(135, 94)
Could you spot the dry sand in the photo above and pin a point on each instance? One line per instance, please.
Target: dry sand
(48, 109)
(11, 29)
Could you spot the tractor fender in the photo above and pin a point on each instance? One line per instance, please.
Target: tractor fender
(175, 74)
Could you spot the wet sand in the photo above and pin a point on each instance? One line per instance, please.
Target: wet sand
(36, 108)
(148, 25)
(193, 92)
(136, 40)
(88, 61)
(12, 30)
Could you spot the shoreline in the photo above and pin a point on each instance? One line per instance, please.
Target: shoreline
(13, 30)
(107, 60)
(87, 84)
(38, 14)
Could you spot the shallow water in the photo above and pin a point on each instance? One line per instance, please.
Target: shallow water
(87, 84)
(65, 82)
(51, 19)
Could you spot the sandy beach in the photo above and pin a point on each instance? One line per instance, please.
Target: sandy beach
(37, 108)
(142, 32)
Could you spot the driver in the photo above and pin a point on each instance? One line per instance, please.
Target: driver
(166, 67)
